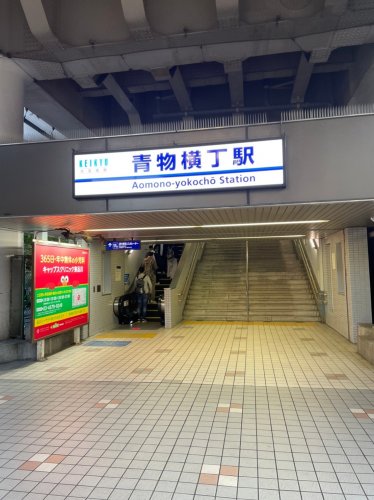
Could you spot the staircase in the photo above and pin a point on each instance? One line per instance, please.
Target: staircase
(218, 289)
(278, 286)
(279, 289)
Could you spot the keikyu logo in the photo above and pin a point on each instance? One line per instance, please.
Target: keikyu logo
(94, 164)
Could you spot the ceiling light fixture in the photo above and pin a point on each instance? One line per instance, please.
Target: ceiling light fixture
(286, 223)
(102, 230)
(287, 236)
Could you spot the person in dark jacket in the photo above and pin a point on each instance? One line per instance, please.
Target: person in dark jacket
(143, 290)
(150, 268)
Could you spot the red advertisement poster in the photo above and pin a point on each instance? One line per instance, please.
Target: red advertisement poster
(61, 288)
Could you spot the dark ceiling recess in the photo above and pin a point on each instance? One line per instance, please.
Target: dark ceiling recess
(159, 60)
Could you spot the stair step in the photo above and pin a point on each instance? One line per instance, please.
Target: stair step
(280, 309)
(237, 317)
(267, 311)
(296, 292)
(278, 286)
(203, 299)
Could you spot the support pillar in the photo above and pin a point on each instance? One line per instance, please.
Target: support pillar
(11, 101)
(40, 345)
(40, 350)
(77, 335)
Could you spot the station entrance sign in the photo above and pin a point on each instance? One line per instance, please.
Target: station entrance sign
(241, 165)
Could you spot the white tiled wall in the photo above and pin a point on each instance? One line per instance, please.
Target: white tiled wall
(358, 279)
(101, 306)
(11, 243)
(171, 308)
(336, 307)
(344, 311)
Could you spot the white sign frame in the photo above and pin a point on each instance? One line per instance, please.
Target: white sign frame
(238, 165)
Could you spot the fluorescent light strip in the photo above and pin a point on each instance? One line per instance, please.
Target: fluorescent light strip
(266, 223)
(156, 240)
(205, 226)
(102, 230)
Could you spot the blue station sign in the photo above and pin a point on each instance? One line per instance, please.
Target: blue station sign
(123, 245)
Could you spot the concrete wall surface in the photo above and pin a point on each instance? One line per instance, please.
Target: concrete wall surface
(11, 243)
(321, 165)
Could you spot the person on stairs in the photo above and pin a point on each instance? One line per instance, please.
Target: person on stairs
(143, 289)
(172, 263)
(150, 268)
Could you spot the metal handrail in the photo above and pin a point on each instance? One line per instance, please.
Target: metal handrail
(247, 266)
(319, 295)
(196, 256)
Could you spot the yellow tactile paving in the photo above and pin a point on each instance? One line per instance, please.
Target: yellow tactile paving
(126, 335)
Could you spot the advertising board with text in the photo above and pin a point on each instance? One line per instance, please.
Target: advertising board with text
(61, 288)
(242, 165)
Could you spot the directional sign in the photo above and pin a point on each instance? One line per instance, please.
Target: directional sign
(123, 245)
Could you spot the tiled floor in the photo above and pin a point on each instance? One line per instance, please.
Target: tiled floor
(202, 411)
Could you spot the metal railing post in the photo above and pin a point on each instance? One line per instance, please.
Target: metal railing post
(247, 275)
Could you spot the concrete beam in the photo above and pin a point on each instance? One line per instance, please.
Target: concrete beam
(50, 110)
(134, 13)
(161, 74)
(361, 77)
(302, 79)
(176, 82)
(227, 12)
(180, 90)
(38, 24)
(234, 71)
(39, 27)
(336, 7)
(119, 95)
(131, 89)
(320, 55)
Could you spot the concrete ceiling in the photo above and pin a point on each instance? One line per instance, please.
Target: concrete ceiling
(176, 225)
(96, 63)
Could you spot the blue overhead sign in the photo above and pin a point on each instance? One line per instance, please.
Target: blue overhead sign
(240, 165)
(123, 245)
